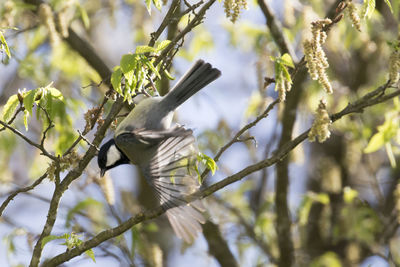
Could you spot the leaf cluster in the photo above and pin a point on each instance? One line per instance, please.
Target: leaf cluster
(135, 70)
(72, 240)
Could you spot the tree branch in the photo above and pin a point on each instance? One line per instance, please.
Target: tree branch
(281, 153)
(88, 53)
(51, 125)
(240, 132)
(283, 222)
(166, 21)
(21, 190)
(71, 176)
(38, 146)
(193, 23)
(21, 108)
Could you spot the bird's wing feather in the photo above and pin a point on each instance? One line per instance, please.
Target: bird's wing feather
(152, 137)
(171, 172)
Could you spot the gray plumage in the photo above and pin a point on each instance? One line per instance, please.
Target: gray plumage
(167, 155)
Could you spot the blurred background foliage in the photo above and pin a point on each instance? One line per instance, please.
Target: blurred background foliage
(344, 196)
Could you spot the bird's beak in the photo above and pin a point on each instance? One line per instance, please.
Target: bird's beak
(102, 172)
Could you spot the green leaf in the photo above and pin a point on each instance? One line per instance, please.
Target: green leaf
(349, 194)
(161, 46)
(151, 227)
(272, 58)
(306, 205)
(26, 115)
(389, 5)
(116, 79)
(49, 238)
(135, 239)
(148, 6)
(72, 240)
(389, 128)
(328, 259)
(208, 162)
(55, 93)
(4, 44)
(304, 210)
(396, 103)
(141, 49)
(286, 74)
(29, 98)
(169, 76)
(390, 154)
(65, 139)
(130, 78)
(152, 68)
(323, 198)
(128, 63)
(84, 16)
(286, 60)
(48, 104)
(376, 142)
(386, 132)
(10, 107)
(368, 8)
(158, 4)
(278, 73)
(90, 254)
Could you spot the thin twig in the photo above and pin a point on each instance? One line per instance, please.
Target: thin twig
(87, 141)
(69, 178)
(21, 108)
(193, 23)
(166, 21)
(51, 125)
(240, 132)
(21, 190)
(38, 146)
(192, 8)
(87, 129)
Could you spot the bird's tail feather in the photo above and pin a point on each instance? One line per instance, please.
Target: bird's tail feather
(199, 75)
(186, 220)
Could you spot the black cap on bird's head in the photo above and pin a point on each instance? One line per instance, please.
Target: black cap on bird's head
(110, 156)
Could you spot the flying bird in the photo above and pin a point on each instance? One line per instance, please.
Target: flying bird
(165, 153)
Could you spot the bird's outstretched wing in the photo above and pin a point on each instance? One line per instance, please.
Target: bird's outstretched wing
(170, 170)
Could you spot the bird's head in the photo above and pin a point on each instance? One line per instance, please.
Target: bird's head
(110, 156)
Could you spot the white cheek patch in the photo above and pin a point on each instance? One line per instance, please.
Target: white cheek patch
(113, 155)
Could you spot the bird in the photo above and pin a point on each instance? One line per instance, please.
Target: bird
(165, 153)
